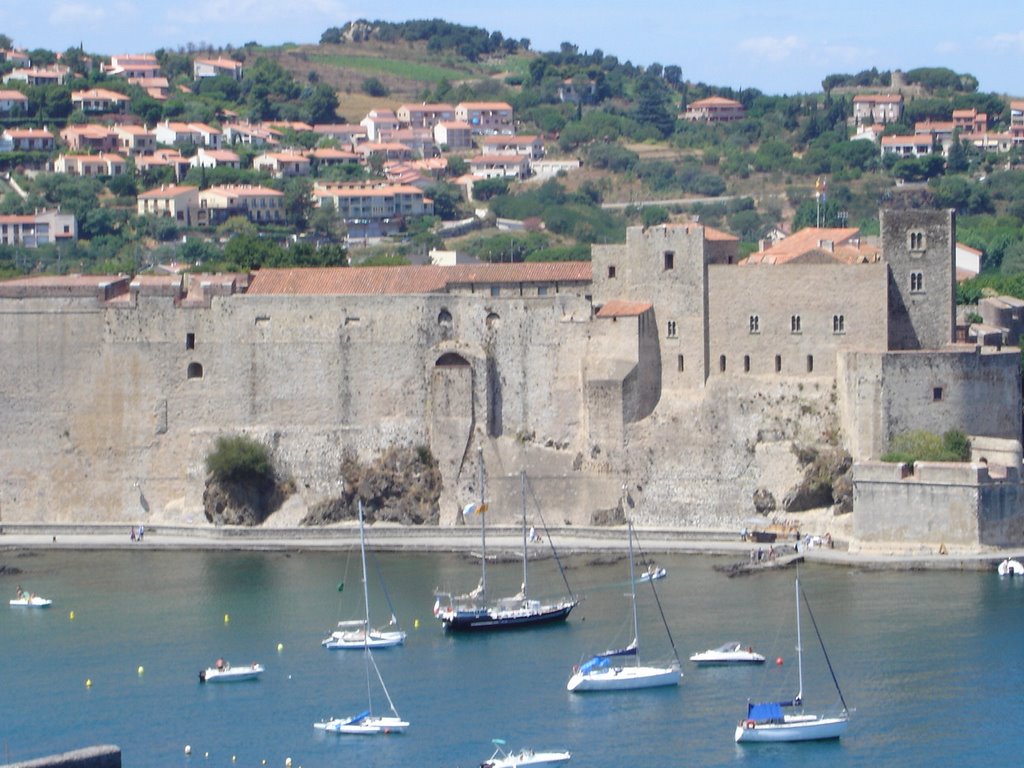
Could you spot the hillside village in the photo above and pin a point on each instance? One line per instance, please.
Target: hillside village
(629, 329)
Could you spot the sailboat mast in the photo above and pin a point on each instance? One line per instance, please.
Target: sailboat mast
(483, 530)
(632, 589)
(366, 604)
(799, 646)
(522, 496)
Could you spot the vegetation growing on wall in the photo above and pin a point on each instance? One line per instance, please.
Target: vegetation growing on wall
(238, 458)
(909, 447)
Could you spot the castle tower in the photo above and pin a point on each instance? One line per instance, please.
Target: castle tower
(920, 249)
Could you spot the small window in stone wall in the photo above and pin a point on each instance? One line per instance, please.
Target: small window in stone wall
(542, 290)
(755, 324)
(493, 320)
(838, 324)
(681, 363)
(721, 364)
(746, 363)
(916, 282)
(917, 241)
(670, 260)
(190, 341)
(794, 324)
(195, 371)
(611, 271)
(672, 329)
(495, 290)
(937, 394)
(778, 363)
(444, 317)
(810, 363)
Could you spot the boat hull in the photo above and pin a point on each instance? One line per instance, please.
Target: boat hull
(230, 675)
(624, 679)
(366, 726)
(526, 757)
(485, 620)
(793, 728)
(31, 602)
(342, 641)
(714, 658)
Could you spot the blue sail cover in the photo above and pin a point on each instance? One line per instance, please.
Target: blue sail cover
(598, 662)
(629, 650)
(767, 712)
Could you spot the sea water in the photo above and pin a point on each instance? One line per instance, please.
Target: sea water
(931, 663)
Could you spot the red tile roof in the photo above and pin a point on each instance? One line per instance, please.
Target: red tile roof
(342, 281)
(619, 308)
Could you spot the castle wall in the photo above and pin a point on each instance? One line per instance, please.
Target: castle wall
(935, 503)
(962, 388)
(792, 319)
(109, 413)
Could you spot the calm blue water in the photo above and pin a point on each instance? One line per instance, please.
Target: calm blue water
(932, 663)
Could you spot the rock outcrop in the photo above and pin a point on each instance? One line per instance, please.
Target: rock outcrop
(403, 486)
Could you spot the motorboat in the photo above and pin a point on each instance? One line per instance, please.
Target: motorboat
(223, 672)
(366, 723)
(653, 573)
(1010, 567)
(31, 601)
(476, 611)
(604, 673)
(768, 722)
(728, 653)
(503, 759)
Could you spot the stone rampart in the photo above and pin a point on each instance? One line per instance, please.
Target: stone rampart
(89, 757)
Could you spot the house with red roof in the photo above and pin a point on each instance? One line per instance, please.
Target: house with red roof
(132, 65)
(424, 115)
(373, 210)
(257, 203)
(486, 117)
(282, 164)
(13, 101)
(453, 134)
(180, 203)
(529, 146)
(135, 139)
(102, 164)
(714, 109)
(30, 139)
(90, 136)
(215, 158)
(870, 108)
(100, 100)
(40, 228)
(218, 67)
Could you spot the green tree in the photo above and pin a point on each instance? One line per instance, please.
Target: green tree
(321, 105)
(652, 106)
(239, 459)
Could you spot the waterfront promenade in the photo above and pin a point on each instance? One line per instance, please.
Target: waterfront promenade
(502, 542)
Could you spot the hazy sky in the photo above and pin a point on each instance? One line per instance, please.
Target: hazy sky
(779, 46)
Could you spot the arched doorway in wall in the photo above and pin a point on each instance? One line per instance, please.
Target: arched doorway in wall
(451, 413)
(194, 371)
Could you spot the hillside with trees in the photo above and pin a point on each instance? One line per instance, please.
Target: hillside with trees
(641, 162)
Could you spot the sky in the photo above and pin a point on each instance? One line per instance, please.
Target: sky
(778, 46)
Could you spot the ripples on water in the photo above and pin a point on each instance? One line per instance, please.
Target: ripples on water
(930, 661)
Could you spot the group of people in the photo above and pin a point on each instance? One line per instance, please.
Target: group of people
(137, 535)
(759, 555)
(20, 594)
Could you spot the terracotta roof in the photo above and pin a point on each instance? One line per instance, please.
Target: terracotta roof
(714, 101)
(99, 93)
(813, 240)
(717, 235)
(13, 96)
(342, 281)
(484, 105)
(618, 308)
(169, 191)
(975, 251)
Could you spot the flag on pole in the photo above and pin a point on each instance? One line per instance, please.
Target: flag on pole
(477, 507)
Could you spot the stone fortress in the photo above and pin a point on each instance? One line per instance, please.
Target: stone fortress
(661, 374)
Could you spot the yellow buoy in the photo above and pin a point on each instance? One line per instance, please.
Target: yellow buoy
(88, 682)
(226, 618)
(71, 616)
(416, 624)
(141, 670)
(280, 647)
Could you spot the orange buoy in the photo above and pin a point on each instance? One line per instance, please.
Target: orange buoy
(778, 662)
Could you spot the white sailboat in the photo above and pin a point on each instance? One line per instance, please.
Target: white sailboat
(600, 673)
(366, 722)
(473, 612)
(768, 722)
(356, 634)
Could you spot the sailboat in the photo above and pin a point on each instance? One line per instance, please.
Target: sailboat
(601, 673)
(768, 722)
(473, 612)
(366, 722)
(357, 633)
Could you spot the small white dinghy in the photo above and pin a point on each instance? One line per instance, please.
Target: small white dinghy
(652, 573)
(728, 653)
(503, 759)
(1010, 568)
(32, 601)
(223, 672)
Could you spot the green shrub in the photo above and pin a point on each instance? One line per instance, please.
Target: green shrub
(925, 446)
(239, 458)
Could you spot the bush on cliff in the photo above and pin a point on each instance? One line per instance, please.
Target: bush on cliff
(239, 458)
